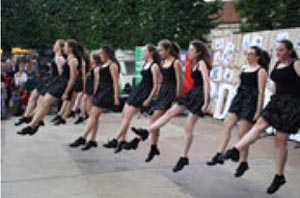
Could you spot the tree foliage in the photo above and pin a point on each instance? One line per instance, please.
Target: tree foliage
(268, 14)
(122, 23)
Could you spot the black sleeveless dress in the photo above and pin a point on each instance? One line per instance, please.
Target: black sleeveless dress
(45, 81)
(60, 82)
(194, 98)
(167, 91)
(283, 110)
(104, 96)
(89, 88)
(141, 92)
(78, 85)
(244, 104)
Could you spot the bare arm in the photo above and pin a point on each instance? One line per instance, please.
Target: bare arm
(59, 60)
(262, 80)
(206, 85)
(83, 73)
(297, 67)
(72, 64)
(115, 76)
(178, 73)
(155, 76)
(96, 79)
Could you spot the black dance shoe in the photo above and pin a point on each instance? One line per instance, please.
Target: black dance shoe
(143, 133)
(217, 159)
(79, 120)
(153, 151)
(241, 169)
(72, 114)
(80, 141)
(232, 154)
(41, 123)
(28, 131)
(57, 117)
(77, 111)
(132, 145)
(120, 147)
(277, 182)
(183, 161)
(23, 120)
(90, 144)
(111, 144)
(60, 121)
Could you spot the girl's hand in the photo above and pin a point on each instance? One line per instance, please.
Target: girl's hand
(256, 116)
(146, 103)
(116, 102)
(204, 108)
(64, 96)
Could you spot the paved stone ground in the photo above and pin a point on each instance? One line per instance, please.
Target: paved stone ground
(43, 166)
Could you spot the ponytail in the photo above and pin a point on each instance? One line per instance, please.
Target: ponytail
(86, 60)
(79, 53)
(264, 60)
(294, 54)
(77, 50)
(155, 56)
(61, 44)
(264, 57)
(173, 48)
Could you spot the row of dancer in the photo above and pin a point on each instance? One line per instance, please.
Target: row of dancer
(282, 111)
(162, 64)
(84, 83)
(67, 63)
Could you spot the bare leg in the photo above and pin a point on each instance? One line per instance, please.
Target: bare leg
(77, 102)
(189, 127)
(69, 106)
(39, 102)
(89, 103)
(92, 121)
(253, 134)
(42, 110)
(281, 151)
(63, 107)
(32, 103)
(229, 122)
(159, 119)
(155, 133)
(127, 114)
(95, 129)
(166, 117)
(83, 105)
(244, 127)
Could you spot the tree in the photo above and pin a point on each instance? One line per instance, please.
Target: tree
(268, 14)
(121, 23)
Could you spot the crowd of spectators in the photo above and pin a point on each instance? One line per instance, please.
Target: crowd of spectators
(18, 79)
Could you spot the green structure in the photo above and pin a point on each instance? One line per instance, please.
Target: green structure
(138, 64)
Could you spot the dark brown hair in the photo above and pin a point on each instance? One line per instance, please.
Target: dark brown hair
(155, 56)
(173, 48)
(264, 58)
(96, 58)
(203, 52)
(289, 45)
